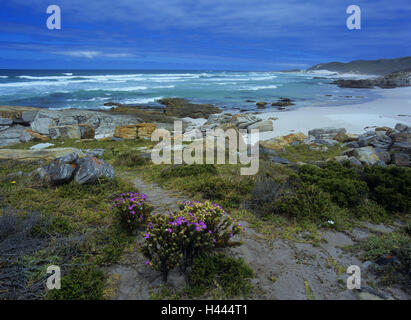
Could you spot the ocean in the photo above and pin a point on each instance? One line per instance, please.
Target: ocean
(229, 90)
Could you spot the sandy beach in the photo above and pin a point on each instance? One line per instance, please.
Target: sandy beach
(393, 107)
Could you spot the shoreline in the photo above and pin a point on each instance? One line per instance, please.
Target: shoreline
(383, 111)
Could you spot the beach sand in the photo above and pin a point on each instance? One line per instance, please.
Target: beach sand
(393, 107)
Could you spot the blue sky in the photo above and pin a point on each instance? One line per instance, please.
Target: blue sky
(199, 34)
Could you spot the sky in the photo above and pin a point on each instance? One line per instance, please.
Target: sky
(199, 34)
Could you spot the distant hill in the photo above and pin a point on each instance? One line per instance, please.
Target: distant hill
(376, 67)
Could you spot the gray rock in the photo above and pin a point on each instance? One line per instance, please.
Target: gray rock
(325, 133)
(401, 147)
(327, 142)
(366, 155)
(2, 128)
(351, 144)
(355, 162)
(91, 168)
(401, 137)
(69, 158)
(42, 125)
(400, 159)
(266, 125)
(59, 172)
(383, 155)
(401, 127)
(365, 138)
(28, 116)
(98, 153)
(41, 146)
(380, 141)
(6, 121)
(11, 135)
(279, 160)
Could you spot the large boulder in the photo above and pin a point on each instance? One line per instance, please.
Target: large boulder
(400, 159)
(11, 135)
(366, 155)
(144, 130)
(182, 108)
(265, 125)
(42, 125)
(276, 145)
(402, 147)
(6, 121)
(401, 127)
(91, 168)
(36, 155)
(243, 120)
(326, 133)
(29, 135)
(76, 131)
(61, 170)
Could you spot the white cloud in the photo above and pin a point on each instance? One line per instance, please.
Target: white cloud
(93, 54)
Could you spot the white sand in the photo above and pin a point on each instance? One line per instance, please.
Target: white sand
(384, 111)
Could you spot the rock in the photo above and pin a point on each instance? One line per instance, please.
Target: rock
(29, 135)
(98, 153)
(126, 132)
(76, 131)
(340, 158)
(6, 121)
(327, 142)
(401, 147)
(279, 160)
(59, 172)
(41, 146)
(326, 133)
(2, 128)
(14, 112)
(243, 120)
(392, 80)
(365, 138)
(261, 104)
(400, 159)
(42, 125)
(91, 168)
(366, 155)
(276, 145)
(28, 116)
(352, 144)
(283, 102)
(145, 130)
(401, 137)
(266, 125)
(380, 141)
(182, 108)
(11, 135)
(402, 127)
(36, 155)
(355, 162)
(383, 155)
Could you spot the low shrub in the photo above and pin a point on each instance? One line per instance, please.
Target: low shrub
(188, 170)
(390, 187)
(176, 239)
(81, 283)
(212, 272)
(308, 203)
(132, 210)
(129, 159)
(342, 182)
(371, 211)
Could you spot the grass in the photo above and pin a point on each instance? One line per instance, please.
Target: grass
(68, 212)
(302, 153)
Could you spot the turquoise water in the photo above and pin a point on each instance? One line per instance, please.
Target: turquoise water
(58, 89)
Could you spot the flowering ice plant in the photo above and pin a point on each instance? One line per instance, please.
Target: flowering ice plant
(174, 239)
(132, 210)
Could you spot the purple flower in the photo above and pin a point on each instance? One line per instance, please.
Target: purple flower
(147, 262)
(146, 236)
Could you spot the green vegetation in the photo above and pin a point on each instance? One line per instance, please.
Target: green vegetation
(390, 187)
(74, 229)
(225, 277)
(302, 153)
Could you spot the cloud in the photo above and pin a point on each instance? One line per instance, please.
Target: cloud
(93, 54)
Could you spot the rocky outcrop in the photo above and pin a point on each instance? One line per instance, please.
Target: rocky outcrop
(75, 131)
(82, 170)
(36, 155)
(276, 145)
(29, 135)
(283, 102)
(392, 80)
(135, 131)
(182, 108)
